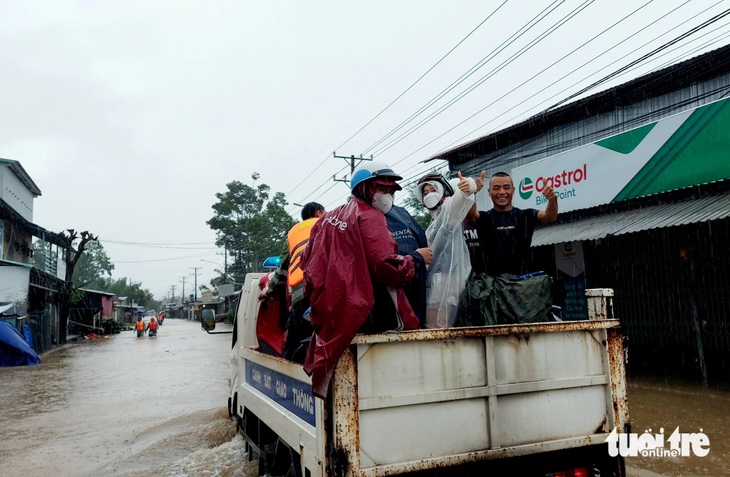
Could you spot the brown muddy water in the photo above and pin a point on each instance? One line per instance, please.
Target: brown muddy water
(657, 403)
(127, 406)
(123, 405)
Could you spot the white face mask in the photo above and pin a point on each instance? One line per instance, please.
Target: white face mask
(432, 200)
(382, 202)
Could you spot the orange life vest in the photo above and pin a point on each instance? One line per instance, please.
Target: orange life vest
(153, 325)
(297, 239)
(140, 325)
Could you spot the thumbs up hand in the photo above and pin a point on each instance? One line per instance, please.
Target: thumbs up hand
(463, 184)
(480, 180)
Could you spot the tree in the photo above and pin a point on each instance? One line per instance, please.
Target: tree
(133, 291)
(68, 294)
(250, 225)
(43, 256)
(92, 267)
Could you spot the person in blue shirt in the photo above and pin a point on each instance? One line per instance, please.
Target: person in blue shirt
(411, 240)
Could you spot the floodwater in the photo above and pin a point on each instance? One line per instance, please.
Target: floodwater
(659, 403)
(126, 406)
(123, 405)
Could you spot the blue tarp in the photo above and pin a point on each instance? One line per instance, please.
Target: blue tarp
(28, 335)
(14, 351)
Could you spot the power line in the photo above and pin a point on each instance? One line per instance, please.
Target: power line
(642, 58)
(510, 121)
(162, 245)
(401, 95)
(292, 210)
(157, 259)
(534, 21)
(560, 79)
(559, 24)
(427, 72)
(407, 180)
(486, 77)
(535, 76)
(478, 65)
(124, 242)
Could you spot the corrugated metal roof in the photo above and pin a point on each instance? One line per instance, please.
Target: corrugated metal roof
(613, 102)
(653, 217)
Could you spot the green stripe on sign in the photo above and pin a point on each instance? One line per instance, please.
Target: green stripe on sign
(626, 142)
(697, 153)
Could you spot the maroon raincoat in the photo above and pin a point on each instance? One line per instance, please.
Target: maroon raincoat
(347, 247)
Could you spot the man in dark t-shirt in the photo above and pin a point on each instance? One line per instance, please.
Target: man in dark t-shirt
(504, 235)
(471, 237)
(506, 240)
(505, 232)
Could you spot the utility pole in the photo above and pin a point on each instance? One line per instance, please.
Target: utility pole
(195, 291)
(352, 163)
(172, 289)
(182, 300)
(225, 264)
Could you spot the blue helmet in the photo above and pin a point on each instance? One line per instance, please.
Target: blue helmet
(374, 170)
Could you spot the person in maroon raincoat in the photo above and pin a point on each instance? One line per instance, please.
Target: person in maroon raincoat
(353, 275)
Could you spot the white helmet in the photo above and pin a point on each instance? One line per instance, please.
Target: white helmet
(374, 170)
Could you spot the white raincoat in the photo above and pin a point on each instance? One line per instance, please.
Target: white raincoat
(450, 267)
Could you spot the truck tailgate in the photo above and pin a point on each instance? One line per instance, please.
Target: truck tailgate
(430, 398)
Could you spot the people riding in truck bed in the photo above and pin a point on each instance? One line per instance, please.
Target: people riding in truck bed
(450, 268)
(501, 240)
(290, 274)
(410, 238)
(353, 275)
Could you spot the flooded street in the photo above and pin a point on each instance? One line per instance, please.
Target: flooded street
(123, 406)
(656, 403)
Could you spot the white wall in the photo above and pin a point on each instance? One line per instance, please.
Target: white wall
(15, 194)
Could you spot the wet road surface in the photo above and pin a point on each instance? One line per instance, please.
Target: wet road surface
(127, 406)
(657, 403)
(120, 404)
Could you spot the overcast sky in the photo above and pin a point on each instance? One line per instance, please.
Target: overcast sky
(130, 116)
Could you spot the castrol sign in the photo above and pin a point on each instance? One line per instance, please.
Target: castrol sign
(560, 182)
(680, 151)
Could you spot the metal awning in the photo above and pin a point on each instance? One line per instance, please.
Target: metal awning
(15, 264)
(652, 217)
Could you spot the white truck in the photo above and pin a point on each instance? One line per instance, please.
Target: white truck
(529, 399)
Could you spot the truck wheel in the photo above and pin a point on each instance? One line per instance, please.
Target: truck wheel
(293, 470)
(286, 460)
(233, 410)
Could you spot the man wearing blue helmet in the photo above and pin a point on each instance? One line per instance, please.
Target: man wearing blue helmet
(353, 275)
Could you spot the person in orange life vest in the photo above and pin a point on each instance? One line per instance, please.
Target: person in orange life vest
(139, 327)
(298, 328)
(353, 275)
(152, 327)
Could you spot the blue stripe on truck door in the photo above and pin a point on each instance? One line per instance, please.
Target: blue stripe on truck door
(293, 395)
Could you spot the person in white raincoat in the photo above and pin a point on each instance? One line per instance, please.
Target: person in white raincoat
(450, 266)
